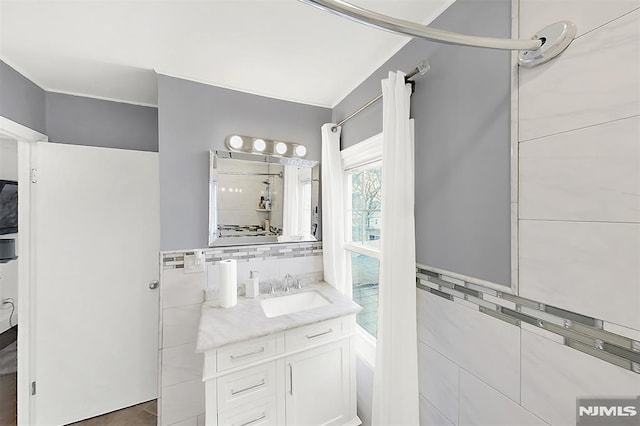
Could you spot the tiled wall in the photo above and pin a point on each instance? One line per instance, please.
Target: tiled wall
(580, 164)
(490, 358)
(181, 393)
(579, 242)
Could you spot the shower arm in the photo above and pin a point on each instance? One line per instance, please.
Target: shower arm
(545, 45)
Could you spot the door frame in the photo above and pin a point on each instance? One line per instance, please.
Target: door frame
(26, 139)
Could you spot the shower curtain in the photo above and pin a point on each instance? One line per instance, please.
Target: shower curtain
(332, 209)
(395, 384)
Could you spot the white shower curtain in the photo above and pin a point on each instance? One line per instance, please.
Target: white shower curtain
(332, 209)
(395, 389)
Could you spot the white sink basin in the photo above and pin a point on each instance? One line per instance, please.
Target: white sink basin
(284, 305)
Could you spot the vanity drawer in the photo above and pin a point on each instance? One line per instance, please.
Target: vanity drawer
(246, 352)
(261, 413)
(314, 334)
(247, 385)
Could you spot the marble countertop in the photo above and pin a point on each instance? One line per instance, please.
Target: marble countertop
(223, 326)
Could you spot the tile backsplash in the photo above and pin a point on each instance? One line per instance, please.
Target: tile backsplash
(176, 259)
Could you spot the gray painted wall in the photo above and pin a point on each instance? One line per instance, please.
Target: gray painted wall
(462, 113)
(87, 121)
(21, 100)
(194, 118)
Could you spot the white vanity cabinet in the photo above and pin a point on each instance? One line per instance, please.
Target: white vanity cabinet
(297, 377)
(319, 386)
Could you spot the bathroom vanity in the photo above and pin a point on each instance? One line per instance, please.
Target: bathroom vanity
(281, 367)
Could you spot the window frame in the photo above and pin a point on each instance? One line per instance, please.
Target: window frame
(364, 155)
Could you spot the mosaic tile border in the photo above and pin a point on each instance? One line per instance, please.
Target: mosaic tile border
(583, 333)
(175, 260)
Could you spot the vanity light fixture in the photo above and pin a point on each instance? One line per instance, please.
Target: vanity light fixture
(236, 142)
(254, 145)
(259, 145)
(281, 148)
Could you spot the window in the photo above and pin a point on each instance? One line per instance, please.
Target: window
(363, 204)
(363, 247)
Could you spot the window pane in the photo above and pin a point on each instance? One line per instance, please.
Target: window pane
(364, 273)
(365, 214)
(357, 226)
(356, 191)
(372, 189)
(371, 228)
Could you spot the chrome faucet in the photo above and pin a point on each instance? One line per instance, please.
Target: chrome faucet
(286, 284)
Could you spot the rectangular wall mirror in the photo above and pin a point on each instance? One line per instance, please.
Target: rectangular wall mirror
(260, 199)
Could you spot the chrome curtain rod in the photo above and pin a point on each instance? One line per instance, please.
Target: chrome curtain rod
(421, 69)
(545, 45)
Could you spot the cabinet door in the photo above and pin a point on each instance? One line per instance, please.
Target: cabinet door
(318, 390)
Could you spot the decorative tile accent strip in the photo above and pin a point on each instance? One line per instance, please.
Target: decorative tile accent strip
(580, 332)
(175, 260)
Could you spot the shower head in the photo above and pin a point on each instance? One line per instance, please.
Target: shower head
(266, 182)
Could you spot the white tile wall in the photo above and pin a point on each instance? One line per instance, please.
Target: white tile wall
(481, 405)
(430, 416)
(594, 81)
(180, 325)
(586, 14)
(201, 420)
(553, 376)
(487, 347)
(179, 289)
(591, 174)
(182, 402)
(192, 421)
(585, 267)
(438, 381)
(180, 364)
(270, 270)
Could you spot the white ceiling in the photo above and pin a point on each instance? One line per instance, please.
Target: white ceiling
(278, 48)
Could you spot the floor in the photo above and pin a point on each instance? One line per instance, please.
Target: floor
(138, 415)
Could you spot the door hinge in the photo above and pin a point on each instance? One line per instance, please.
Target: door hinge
(33, 388)
(34, 175)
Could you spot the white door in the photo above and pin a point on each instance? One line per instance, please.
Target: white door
(318, 386)
(96, 239)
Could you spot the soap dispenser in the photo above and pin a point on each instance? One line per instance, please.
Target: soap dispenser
(252, 286)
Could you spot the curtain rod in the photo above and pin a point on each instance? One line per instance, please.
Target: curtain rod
(545, 45)
(421, 69)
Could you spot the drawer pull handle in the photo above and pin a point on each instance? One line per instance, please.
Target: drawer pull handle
(254, 420)
(290, 379)
(319, 334)
(259, 351)
(249, 388)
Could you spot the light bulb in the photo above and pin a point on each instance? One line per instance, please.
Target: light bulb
(281, 148)
(259, 145)
(301, 151)
(236, 142)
